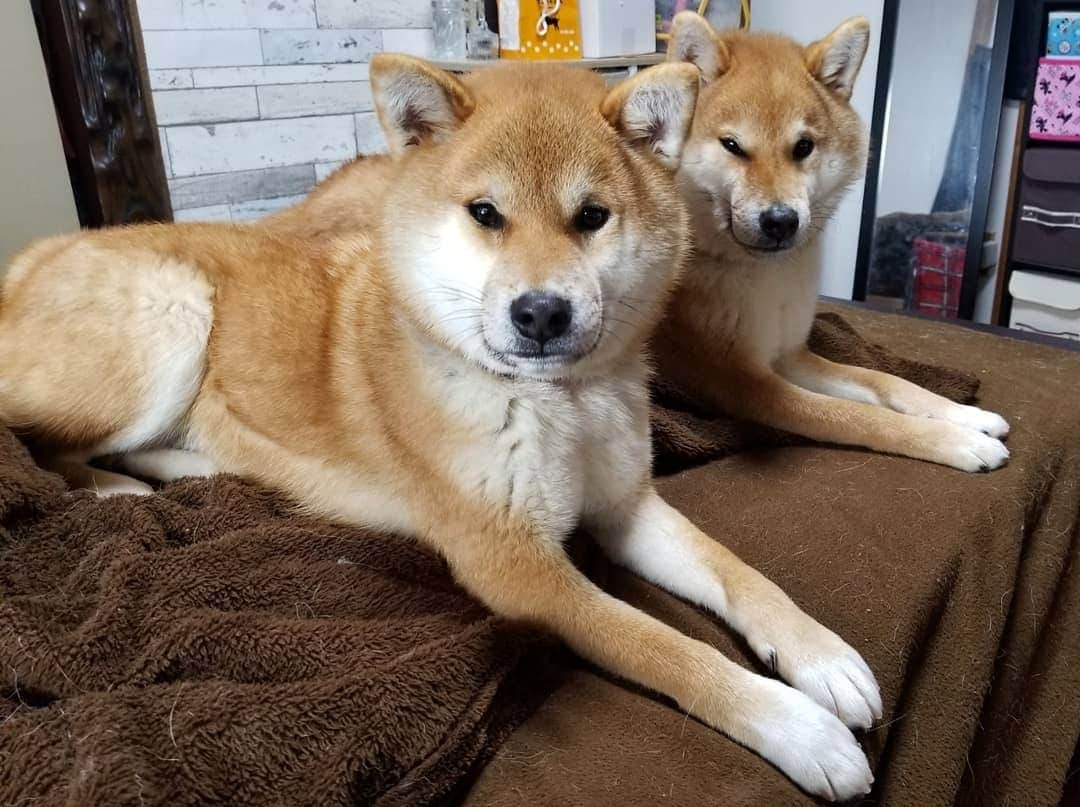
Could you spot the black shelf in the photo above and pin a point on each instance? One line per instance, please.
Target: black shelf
(1024, 266)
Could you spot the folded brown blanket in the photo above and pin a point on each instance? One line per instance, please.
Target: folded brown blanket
(207, 645)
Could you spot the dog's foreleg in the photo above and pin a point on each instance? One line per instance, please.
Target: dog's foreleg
(817, 374)
(528, 577)
(652, 539)
(763, 396)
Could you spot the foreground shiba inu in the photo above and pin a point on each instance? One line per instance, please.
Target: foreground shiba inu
(470, 375)
(774, 145)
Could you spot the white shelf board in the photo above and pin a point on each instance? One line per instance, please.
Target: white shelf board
(642, 60)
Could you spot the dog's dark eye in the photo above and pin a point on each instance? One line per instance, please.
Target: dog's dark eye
(803, 149)
(486, 215)
(732, 145)
(591, 218)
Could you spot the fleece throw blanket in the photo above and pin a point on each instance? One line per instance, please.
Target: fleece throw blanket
(207, 645)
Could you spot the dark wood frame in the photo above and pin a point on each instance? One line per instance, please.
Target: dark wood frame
(1001, 282)
(984, 174)
(886, 51)
(101, 90)
(985, 165)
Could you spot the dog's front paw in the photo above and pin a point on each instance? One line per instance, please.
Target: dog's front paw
(809, 744)
(980, 420)
(820, 664)
(974, 452)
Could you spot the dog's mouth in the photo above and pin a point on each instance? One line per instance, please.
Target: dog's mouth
(541, 360)
(726, 222)
(763, 249)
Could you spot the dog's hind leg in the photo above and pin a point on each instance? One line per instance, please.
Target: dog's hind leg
(79, 474)
(102, 351)
(167, 464)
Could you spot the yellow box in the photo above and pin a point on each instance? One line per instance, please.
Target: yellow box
(539, 29)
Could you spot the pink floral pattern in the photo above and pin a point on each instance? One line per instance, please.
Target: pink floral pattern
(1055, 105)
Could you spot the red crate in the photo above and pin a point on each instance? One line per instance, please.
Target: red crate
(938, 273)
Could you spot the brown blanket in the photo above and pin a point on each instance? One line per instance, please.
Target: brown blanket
(207, 645)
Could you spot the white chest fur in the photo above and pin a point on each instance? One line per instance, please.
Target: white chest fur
(766, 306)
(550, 452)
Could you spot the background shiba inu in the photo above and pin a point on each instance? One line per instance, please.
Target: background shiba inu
(774, 145)
(469, 373)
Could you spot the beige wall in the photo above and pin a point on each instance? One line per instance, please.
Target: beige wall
(35, 192)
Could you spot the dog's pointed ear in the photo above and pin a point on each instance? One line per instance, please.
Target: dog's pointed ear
(693, 40)
(836, 59)
(655, 108)
(416, 101)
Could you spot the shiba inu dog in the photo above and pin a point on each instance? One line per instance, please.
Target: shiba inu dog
(774, 145)
(469, 373)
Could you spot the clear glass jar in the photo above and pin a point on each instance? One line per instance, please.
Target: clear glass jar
(481, 43)
(448, 28)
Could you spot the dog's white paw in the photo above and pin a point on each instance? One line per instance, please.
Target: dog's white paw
(820, 664)
(980, 420)
(809, 744)
(973, 451)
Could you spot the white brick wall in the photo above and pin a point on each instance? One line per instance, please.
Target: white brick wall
(171, 80)
(174, 107)
(416, 41)
(319, 47)
(159, 14)
(259, 99)
(260, 144)
(374, 13)
(369, 135)
(217, 14)
(166, 49)
(298, 100)
(323, 170)
(278, 74)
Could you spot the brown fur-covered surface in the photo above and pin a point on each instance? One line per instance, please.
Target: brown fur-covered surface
(208, 646)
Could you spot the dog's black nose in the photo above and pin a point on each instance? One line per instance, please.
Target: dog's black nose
(540, 316)
(779, 222)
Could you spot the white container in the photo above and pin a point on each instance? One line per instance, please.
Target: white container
(617, 27)
(1046, 304)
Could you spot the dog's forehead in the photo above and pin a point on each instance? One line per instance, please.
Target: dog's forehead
(544, 145)
(773, 101)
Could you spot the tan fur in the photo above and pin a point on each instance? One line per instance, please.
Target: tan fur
(370, 374)
(736, 330)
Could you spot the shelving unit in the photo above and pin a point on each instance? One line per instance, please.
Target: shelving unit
(1002, 298)
(610, 63)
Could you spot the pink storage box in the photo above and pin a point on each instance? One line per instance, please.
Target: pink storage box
(1055, 105)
